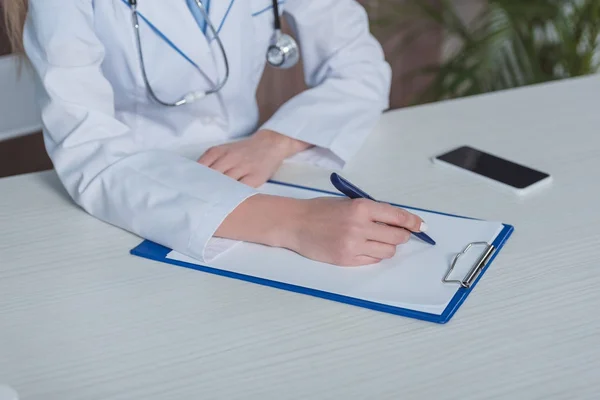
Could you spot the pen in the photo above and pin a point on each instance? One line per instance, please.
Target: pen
(354, 192)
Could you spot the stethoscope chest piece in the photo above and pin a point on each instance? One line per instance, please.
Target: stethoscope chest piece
(284, 52)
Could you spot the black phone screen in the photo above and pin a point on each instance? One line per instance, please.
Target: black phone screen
(493, 167)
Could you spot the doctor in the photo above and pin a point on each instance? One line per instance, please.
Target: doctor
(136, 91)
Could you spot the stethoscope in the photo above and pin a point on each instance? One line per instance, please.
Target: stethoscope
(282, 53)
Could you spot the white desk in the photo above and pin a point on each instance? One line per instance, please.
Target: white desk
(82, 319)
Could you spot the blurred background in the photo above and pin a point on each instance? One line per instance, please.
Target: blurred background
(438, 49)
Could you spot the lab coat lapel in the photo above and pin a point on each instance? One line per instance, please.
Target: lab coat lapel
(223, 17)
(219, 13)
(174, 21)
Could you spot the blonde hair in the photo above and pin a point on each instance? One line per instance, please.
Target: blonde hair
(15, 12)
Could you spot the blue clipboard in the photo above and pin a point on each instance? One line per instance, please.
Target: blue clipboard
(156, 252)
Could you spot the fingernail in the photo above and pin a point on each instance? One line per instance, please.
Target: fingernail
(423, 226)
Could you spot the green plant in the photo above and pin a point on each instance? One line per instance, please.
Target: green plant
(510, 43)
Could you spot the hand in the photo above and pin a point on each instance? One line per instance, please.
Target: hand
(333, 230)
(350, 232)
(254, 160)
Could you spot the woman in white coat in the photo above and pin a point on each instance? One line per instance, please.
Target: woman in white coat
(130, 157)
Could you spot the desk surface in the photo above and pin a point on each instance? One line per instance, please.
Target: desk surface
(82, 319)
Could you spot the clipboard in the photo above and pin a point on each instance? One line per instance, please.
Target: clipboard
(479, 254)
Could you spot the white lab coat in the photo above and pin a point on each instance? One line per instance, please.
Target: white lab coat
(131, 162)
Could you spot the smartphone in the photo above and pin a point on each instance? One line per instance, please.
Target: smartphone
(508, 174)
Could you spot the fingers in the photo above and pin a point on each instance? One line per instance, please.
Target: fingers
(253, 180)
(210, 156)
(374, 252)
(388, 234)
(219, 159)
(242, 175)
(223, 164)
(396, 216)
(236, 173)
(362, 260)
(379, 250)
(228, 162)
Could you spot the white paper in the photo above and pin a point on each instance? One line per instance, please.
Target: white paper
(412, 279)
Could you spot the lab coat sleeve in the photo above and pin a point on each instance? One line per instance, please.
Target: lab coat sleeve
(155, 194)
(347, 75)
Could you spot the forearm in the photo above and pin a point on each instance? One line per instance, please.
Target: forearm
(264, 219)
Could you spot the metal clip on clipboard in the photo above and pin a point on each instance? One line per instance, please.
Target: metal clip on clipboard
(475, 270)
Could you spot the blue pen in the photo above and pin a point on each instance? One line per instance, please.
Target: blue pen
(353, 192)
